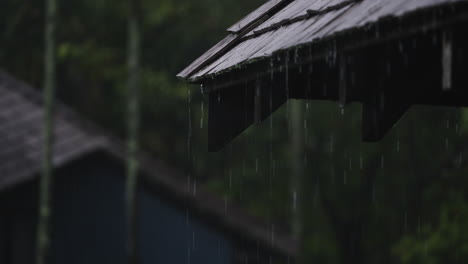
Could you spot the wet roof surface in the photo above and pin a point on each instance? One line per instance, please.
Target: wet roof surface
(21, 119)
(281, 25)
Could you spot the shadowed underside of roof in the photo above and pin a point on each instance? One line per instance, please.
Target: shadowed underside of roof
(281, 25)
(385, 54)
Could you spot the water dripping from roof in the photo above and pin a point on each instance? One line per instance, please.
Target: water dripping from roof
(447, 62)
(202, 114)
(360, 161)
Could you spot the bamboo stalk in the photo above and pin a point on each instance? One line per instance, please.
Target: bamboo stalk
(45, 186)
(133, 61)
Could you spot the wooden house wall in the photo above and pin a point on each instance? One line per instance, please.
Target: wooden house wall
(89, 222)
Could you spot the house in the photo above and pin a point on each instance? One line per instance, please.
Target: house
(386, 54)
(178, 222)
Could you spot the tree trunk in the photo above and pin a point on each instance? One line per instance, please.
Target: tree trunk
(133, 129)
(45, 186)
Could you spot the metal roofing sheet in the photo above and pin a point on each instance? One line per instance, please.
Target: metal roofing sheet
(297, 8)
(255, 15)
(277, 33)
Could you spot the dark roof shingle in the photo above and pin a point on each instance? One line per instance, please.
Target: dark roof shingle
(298, 22)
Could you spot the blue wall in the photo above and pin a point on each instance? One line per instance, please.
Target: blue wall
(89, 221)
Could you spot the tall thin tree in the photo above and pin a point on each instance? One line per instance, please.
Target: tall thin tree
(45, 191)
(133, 60)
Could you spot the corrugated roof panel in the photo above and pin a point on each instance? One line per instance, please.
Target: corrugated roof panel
(344, 17)
(207, 55)
(259, 12)
(295, 9)
(270, 42)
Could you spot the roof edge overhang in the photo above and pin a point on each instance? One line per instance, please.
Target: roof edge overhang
(352, 64)
(385, 29)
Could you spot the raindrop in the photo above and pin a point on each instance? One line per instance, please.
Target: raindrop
(193, 240)
(256, 165)
(316, 193)
(332, 175)
(342, 109)
(225, 205)
(272, 234)
(188, 182)
(230, 178)
(294, 200)
(274, 168)
(286, 64)
(272, 74)
(202, 114)
(188, 254)
(419, 224)
(406, 221)
(382, 161)
(446, 62)
(446, 142)
(195, 188)
(460, 159)
(189, 134)
(373, 193)
(296, 55)
(360, 161)
(398, 146)
(219, 97)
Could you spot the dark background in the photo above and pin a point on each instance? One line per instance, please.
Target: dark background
(402, 200)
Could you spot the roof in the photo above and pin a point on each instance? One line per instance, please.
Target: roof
(385, 54)
(280, 25)
(21, 118)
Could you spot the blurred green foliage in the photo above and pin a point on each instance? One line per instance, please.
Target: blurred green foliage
(402, 200)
